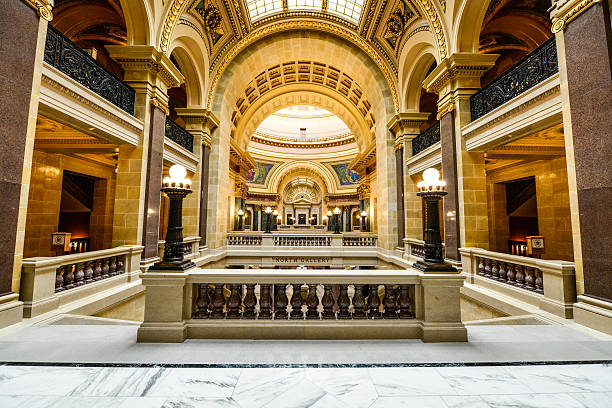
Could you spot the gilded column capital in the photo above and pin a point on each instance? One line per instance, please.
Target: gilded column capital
(42, 7)
(564, 11)
(406, 126)
(457, 76)
(199, 120)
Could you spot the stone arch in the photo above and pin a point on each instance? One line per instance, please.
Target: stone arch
(467, 26)
(435, 16)
(417, 57)
(278, 179)
(297, 94)
(139, 21)
(191, 54)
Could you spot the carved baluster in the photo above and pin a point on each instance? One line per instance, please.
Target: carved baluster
(502, 272)
(97, 270)
(343, 303)
(202, 302)
(519, 276)
(359, 311)
(120, 265)
(112, 267)
(374, 302)
(280, 301)
(234, 301)
(265, 301)
(250, 301)
(328, 303)
(296, 302)
(481, 267)
(68, 277)
(510, 274)
(487, 268)
(404, 302)
(539, 284)
(59, 279)
(495, 270)
(312, 301)
(389, 303)
(105, 268)
(218, 302)
(529, 278)
(88, 272)
(79, 275)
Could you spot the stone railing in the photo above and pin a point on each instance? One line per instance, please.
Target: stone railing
(428, 138)
(179, 135)
(359, 241)
(299, 304)
(47, 281)
(548, 284)
(302, 240)
(534, 68)
(244, 240)
(414, 248)
(67, 57)
(191, 247)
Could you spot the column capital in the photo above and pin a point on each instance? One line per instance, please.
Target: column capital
(199, 120)
(406, 126)
(457, 76)
(42, 7)
(564, 11)
(147, 70)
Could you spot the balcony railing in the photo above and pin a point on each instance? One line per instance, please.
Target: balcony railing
(254, 239)
(534, 68)
(428, 138)
(67, 57)
(179, 135)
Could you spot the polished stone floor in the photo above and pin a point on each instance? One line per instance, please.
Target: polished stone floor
(81, 363)
(542, 386)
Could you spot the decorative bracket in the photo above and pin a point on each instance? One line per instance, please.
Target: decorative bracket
(42, 7)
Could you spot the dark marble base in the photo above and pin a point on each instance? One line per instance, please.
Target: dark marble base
(173, 266)
(434, 267)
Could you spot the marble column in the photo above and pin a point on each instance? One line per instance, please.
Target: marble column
(455, 79)
(139, 171)
(22, 41)
(401, 212)
(584, 44)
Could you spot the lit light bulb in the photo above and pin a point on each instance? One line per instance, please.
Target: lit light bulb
(240, 212)
(167, 180)
(431, 176)
(187, 183)
(421, 185)
(177, 172)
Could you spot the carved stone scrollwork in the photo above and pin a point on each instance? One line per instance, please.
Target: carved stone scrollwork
(42, 7)
(364, 191)
(241, 189)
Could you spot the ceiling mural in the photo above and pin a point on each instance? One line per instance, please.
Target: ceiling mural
(259, 175)
(346, 176)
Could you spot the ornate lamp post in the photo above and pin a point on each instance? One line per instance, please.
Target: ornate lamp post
(268, 211)
(240, 214)
(276, 217)
(432, 189)
(364, 224)
(337, 212)
(176, 187)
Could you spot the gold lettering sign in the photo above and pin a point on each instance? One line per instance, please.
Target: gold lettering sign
(300, 259)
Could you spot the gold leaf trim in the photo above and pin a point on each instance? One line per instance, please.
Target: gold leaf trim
(560, 21)
(42, 7)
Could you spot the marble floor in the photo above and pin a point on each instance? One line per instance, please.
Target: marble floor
(542, 386)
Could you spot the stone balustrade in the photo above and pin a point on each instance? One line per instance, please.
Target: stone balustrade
(48, 282)
(414, 248)
(359, 241)
(284, 239)
(244, 240)
(191, 247)
(301, 304)
(301, 240)
(548, 284)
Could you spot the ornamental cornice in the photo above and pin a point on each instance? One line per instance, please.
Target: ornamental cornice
(564, 11)
(436, 25)
(50, 83)
(42, 7)
(176, 9)
(160, 104)
(298, 145)
(147, 58)
(407, 123)
(458, 71)
(312, 25)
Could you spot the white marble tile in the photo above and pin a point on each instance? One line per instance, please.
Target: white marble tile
(258, 386)
(594, 399)
(395, 381)
(464, 401)
(302, 395)
(200, 403)
(353, 386)
(564, 378)
(119, 381)
(409, 402)
(22, 380)
(482, 380)
(15, 401)
(196, 382)
(143, 402)
(66, 402)
(329, 401)
(532, 401)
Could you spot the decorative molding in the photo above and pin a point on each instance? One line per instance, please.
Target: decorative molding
(363, 191)
(42, 7)
(434, 21)
(410, 35)
(163, 106)
(301, 144)
(569, 12)
(176, 9)
(149, 59)
(241, 189)
(447, 108)
(312, 25)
